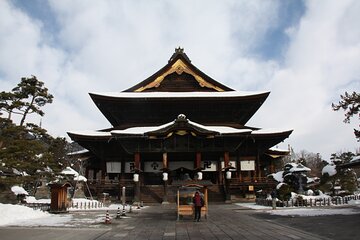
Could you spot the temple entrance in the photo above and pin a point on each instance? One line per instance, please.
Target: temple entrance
(182, 174)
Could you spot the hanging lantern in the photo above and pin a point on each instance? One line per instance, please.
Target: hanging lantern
(228, 175)
(200, 175)
(136, 177)
(165, 176)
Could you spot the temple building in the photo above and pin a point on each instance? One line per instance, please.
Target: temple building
(179, 126)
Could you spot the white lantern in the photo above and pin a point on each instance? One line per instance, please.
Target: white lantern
(136, 177)
(228, 175)
(200, 175)
(165, 176)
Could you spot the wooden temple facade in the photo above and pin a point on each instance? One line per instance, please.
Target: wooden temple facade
(177, 127)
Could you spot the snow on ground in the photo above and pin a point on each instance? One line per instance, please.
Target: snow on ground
(19, 190)
(306, 212)
(19, 215)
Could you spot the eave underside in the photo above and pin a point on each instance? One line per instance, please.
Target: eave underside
(128, 112)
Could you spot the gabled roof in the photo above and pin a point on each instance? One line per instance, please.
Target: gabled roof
(179, 64)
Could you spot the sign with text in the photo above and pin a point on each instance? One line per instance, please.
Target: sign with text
(247, 165)
(129, 167)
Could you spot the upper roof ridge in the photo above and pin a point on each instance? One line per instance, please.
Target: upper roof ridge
(179, 51)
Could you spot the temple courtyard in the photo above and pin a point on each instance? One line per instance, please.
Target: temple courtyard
(225, 221)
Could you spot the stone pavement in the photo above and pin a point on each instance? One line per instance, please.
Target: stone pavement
(159, 222)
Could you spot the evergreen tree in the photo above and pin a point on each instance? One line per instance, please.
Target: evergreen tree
(27, 151)
(334, 176)
(350, 103)
(26, 98)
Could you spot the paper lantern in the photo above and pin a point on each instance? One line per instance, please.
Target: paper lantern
(136, 177)
(165, 176)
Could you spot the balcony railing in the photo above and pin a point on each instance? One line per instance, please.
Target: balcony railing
(252, 180)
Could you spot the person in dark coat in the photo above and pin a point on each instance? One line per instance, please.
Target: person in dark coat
(198, 204)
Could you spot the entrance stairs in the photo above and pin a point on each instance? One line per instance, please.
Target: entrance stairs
(151, 194)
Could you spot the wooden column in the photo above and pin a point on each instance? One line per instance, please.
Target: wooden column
(198, 160)
(165, 160)
(226, 159)
(258, 166)
(137, 160)
(272, 167)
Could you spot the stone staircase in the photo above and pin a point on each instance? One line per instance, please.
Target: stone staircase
(151, 194)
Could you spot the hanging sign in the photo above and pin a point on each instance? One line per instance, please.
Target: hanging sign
(153, 166)
(231, 164)
(208, 166)
(247, 165)
(129, 167)
(113, 167)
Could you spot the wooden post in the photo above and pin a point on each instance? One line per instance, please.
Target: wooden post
(226, 159)
(198, 160)
(137, 160)
(165, 160)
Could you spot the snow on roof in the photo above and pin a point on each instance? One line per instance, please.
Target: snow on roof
(93, 133)
(355, 159)
(221, 129)
(177, 94)
(330, 169)
(300, 168)
(70, 171)
(269, 131)
(80, 178)
(19, 190)
(279, 149)
(78, 152)
(143, 130)
(278, 176)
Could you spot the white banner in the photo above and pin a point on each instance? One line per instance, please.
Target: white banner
(153, 166)
(179, 164)
(231, 164)
(113, 167)
(129, 167)
(247, 165)
(208, 166)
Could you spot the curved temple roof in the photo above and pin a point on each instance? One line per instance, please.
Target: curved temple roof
(175, 125)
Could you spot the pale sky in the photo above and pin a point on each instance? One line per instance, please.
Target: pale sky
(306, 53)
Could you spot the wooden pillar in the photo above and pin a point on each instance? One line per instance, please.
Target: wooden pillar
(198, 160)
(165, 160)
(226, 159)
(258, 167)
(272, 167)
(137, 160)
(220, 174)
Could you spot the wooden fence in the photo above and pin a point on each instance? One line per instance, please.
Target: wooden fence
(86, 205)
(318, 202)
(39, 206)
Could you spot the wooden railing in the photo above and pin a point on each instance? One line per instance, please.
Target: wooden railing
(111, 182)
(253, 180)
(39, 206)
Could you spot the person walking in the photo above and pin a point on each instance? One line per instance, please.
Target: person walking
(198, 204)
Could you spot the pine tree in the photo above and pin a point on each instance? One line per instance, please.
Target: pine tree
(29, 96)
(350, 103)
